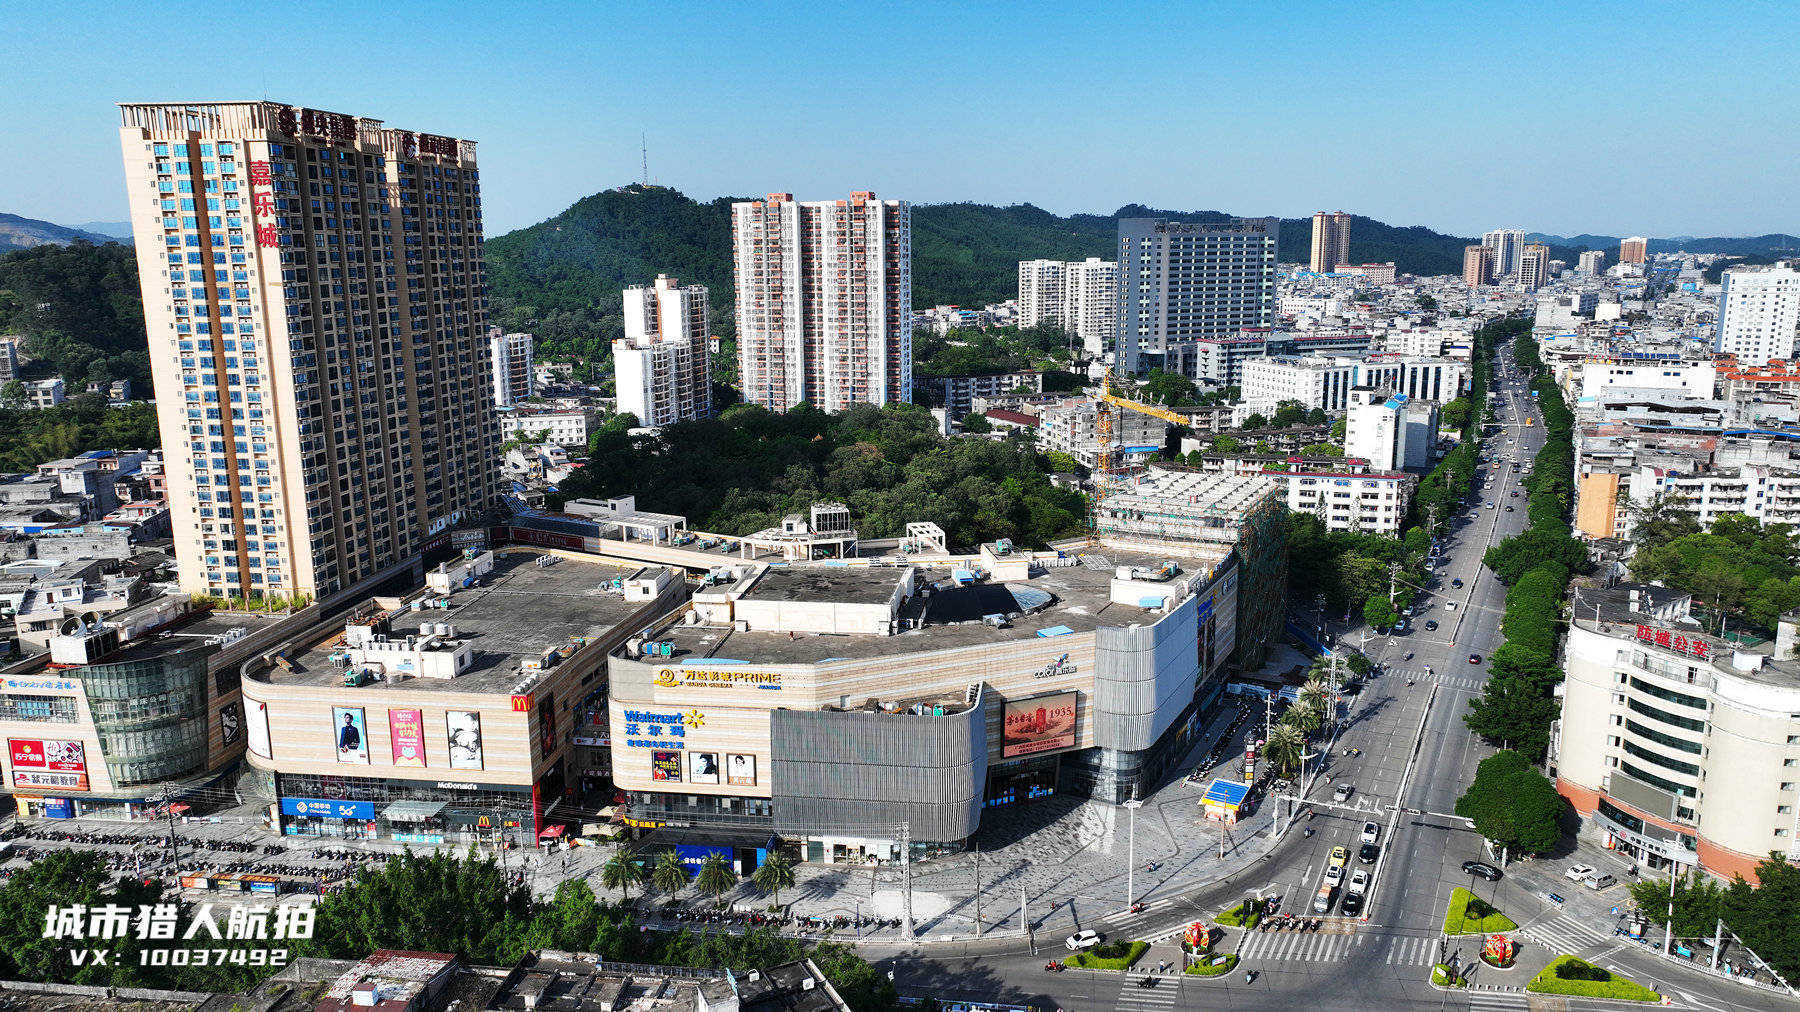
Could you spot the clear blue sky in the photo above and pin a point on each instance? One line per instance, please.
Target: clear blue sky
(1613, 118)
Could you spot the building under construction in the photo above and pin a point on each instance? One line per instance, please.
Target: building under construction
(1166, 507)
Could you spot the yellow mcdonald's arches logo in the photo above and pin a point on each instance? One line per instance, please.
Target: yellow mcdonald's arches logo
(666, 677)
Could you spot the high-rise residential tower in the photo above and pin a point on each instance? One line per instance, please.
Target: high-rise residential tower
(1592, 261)
(1508, 245)
(1534, 266)
(1184, 282)
(1041, 284)
(316, 305)
(663, 374)
(1478, 265)
(824, 300)
(1079, 296)
(1330, 241)
(515, 378)
(1759, 311)
(1633, 250)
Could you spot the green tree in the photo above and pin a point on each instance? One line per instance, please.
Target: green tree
(437, 903)
(622, 871)
(1455, 414)
(1513, 712)
(1513, 804)
(1697, 901)
(1763, 916)
(1338, 429)
(1284, 746)
(1060, 462)
(12, 394)
(1256, 421)
(1316, 417)
(774, 874)
(1223, 443)
(1288, 413)
(1169, 388)
(1304, 716)
(976, 423)
(716, 877)
(670, 875)
(1378, 612)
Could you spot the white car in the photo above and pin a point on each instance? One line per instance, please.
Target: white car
(1359, 882)
(1449, 605)
(1371, 832)
(1334, 875)
(1082, 940)
(1577, 872)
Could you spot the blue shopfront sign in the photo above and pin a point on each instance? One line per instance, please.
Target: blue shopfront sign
(319, 808)
(59, 808)
(417, 837)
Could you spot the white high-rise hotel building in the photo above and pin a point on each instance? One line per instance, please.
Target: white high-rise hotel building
(1079, 295)
(515, 378)
(316, 306)
(824, 300)
(1508, 245)
(1759, 309)
(661, 367)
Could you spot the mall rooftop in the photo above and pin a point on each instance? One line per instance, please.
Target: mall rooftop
(514, 616)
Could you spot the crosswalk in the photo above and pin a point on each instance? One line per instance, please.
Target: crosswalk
(1480, 1001)
(1564, 933)
(1402, 950)
(1160, 998)
(1474, 679)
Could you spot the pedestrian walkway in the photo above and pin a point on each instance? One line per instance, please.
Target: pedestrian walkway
(1487, 1002)
(1164, 996)
(1473, 680)
(1565, 934)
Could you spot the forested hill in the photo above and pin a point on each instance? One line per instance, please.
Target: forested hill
(561, 278)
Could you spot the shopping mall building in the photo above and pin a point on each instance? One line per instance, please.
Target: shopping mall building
(854, 705)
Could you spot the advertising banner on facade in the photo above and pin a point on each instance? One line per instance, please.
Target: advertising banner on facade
(740, 769)
(1038, 724)
(665, 766)
(48, 763)
(352, 734)
(256, 717)
(465, 739)
(406, 728)
(323, 808)
(703, 767)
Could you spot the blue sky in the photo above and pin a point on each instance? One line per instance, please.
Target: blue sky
(1612, 118)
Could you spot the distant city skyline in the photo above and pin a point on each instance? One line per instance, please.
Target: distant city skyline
(558, 101)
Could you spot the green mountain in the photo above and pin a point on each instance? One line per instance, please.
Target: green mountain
(561, 278)
(23, 233)
(1767, 247)
(80, 311)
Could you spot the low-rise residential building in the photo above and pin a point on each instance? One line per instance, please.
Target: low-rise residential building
(1678, 749)
(959, 392)
(562, 427)
(1346, 494)
(1391, 432)
(1072, 427)
(1318, 382)
(44, 393)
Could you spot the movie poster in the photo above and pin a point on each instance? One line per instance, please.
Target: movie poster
(231, 723)
(465, 739)
(665, 766)
(406, 730)
(703, 767)
(1039, 724)
(352, 734)
(740, 769)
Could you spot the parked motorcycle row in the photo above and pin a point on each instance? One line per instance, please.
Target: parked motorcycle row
(1288, 922)
(753, 919)
(1225, 745)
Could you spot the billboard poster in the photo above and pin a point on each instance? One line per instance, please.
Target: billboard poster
(352, 734)
(256, 715)
(665, 766)
(465, 739)
(1039, 724)
(703, 767)
(231, 723)
(48, 764)
(740, 769)
(406, 729)
(548, 711)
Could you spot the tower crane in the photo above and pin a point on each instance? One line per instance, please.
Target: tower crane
(1106, 473)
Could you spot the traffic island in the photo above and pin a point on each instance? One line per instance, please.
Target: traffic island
(1213, 966)
(1244, 915)
(1567, 975)
(1443, 976)
(1468, 914)
(1111, 956)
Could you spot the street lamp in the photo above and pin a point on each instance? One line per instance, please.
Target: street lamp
(1131, 852)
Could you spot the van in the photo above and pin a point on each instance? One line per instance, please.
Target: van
(1322, 898)
(1599, 880)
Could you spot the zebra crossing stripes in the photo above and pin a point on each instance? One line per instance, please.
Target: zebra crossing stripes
(1473, 680)
(1483, 1002)
(1304, 947)
(1565, 934)
(1160, 998)
(1417, 951)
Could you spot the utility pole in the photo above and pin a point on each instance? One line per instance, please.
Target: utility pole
(978, 890)
(1025, 920)
(1131, 853)
(1669, 925)
(174, 847)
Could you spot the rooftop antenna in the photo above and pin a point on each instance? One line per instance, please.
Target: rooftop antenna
(644, 147)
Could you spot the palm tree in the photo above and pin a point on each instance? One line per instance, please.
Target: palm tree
(1284, 747)
(670, 875)
(716, 877)
(1315, 692)
(1303, 716)
(775, 874)
(622, 871)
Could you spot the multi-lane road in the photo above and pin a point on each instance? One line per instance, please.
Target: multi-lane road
(1416, 758)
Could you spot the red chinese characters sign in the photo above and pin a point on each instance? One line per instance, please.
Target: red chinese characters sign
(264, 203)
(1692, 646)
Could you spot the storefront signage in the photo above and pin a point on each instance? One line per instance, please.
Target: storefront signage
(42, 685)
(320, 808)
(718, 678)
(406, 732)
(520, 704)
(592, 742)
(417, 837)
(1040, 724)
(448, 785)
(1061, 666)
(48, 763)
(1678, 642)
(661, 729)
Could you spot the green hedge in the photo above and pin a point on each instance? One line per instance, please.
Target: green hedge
(1469, 915)
(1571, 976)
(1205, 967)
(1235, 917)
(1442, 976)
(1111, 956)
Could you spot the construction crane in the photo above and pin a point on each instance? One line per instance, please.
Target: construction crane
(1106, 472)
